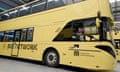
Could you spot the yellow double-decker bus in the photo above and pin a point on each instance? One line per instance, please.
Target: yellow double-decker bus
(60, 32)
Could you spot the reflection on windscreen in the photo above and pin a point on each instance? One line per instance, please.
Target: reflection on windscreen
(117, 26)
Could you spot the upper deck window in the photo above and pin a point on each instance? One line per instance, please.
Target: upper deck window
(4, 16)
(75, 1)
(13, 14)
(24, 11)
(54, 3)
(68, 1)
(39, 6)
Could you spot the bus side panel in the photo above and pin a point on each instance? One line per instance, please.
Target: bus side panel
(29, 50)
(33, 50)
(116, 35)
(105, 8)
(118, 54)
(4, 49)
(86, 56)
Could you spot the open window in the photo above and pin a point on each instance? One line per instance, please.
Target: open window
(79, 30)
(84, 30)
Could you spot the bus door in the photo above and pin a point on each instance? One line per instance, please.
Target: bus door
(16, 43)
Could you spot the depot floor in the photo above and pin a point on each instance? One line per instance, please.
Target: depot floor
(15, 65)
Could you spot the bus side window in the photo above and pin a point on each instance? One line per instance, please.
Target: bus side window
(30, 34)
(1, 36)
(9, 36)
(54, 3)
(13, 14)
(24, 11)
(78, 31)
(75, 1)
(39, 6)
(68, 2)
(4, 17)
(17, 35)
(23, 34)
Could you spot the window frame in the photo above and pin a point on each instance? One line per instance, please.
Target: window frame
(55, 6)
(38, 5)
(3, 35)
(25, 35)
(32, 34)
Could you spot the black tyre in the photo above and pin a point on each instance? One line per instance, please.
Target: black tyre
(51, 58)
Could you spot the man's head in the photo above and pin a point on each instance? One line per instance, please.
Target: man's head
(80, 29)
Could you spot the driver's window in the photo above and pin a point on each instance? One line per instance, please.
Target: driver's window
(79, 30)
(85, 30)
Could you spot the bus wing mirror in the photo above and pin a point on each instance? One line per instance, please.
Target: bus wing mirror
(98, 21)
(112, 23)
(116, 33)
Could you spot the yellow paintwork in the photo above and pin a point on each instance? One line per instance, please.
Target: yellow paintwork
(116, 36)
(98, 22)
(118, 54)
(48, 24)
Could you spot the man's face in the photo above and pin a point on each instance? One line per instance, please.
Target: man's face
(80, 30)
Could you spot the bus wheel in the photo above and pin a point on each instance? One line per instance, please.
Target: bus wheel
(51, 58)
